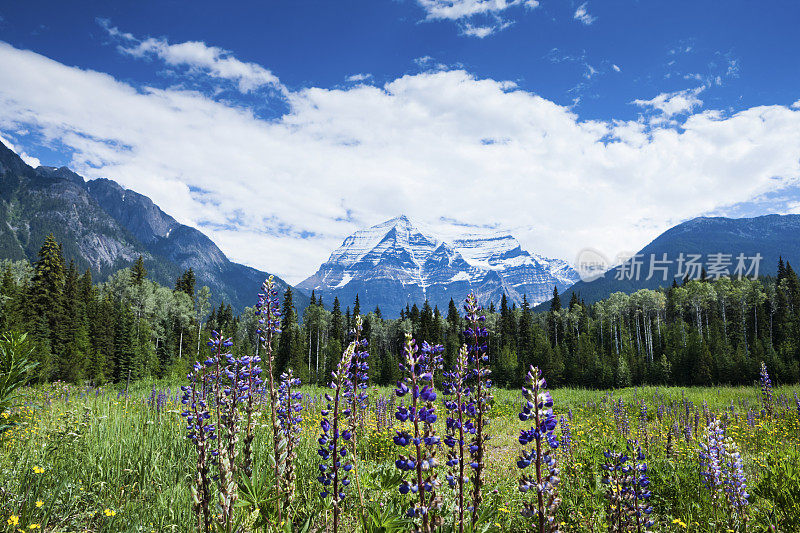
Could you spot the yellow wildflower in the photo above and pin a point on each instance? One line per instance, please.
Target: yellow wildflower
(39, 503)
(110, 512)
(13, 520)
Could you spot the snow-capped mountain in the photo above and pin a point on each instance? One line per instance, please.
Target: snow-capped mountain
(397, 263)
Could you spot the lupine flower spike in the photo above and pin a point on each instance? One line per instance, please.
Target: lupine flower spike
(456, 390)
(481, 397)
(268, 313)
(638, 505)
(722, 471)
(358, 396)
(538, 408)
(201, 431)
(766, 390)
(628, 493)
(418, 366)
(334, 467)
(289, 419)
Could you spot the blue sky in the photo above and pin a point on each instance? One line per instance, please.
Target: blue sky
(280, 127)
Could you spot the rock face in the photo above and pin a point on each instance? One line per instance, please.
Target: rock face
(397, 263)
(770, 236)
(104, 227)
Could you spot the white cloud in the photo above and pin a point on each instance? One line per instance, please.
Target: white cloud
(670, 104)
(359, 77)
(616, 68)
(796, 105)
(482, 31)
(460, 9)
(282, 194)
(196, 56)
(582, 15)
(465, 11)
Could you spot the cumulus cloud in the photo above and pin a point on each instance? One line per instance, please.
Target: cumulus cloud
(196, 56)
(582, 14)
(674, 103)
(281, 194)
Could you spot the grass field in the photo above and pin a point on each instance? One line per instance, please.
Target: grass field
(99, 460)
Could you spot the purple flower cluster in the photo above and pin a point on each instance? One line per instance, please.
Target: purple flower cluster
(480, 401)
(356, 393)
(268, 314)
(212, 415)
(538, 408)
(766, 390)
(290, 404)
(722, 470)
(457, 393)
(566, 435)
(335, 467)
(418, 367)
(628, 492)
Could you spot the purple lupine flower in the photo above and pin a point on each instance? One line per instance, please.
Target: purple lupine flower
(566, 435)
(621, 418)
(418, 366)
(538, 407)
(455, 392)
(711, 451)
(357, 396)
(638, 507)
(616, 474)
(480, 398)
(208, 427)
(643, 422)
(268, 314)
(722, 470)
(766, 390)
(797, 404)
(289, 419)
(735, 480)
(335, 466)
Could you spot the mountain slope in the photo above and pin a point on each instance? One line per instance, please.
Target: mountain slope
(397, 263)
(105, 227)
(772, 236)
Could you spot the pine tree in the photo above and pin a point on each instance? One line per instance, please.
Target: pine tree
(138, 272)
(356, 307)
(555, 303)
(186, 283)
(287, 339)
(45, 309)
(337, 324)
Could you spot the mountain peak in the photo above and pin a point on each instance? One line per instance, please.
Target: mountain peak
(398, 262)
(63, 173)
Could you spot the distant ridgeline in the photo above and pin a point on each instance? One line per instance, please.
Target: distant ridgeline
(105, 227)
(698, 332)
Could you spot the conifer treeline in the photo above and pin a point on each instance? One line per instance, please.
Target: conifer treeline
(700, 332)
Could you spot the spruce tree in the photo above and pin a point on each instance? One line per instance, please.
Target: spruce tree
(286, 340)
(46, 306)
(186, 283)
(138, 272)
